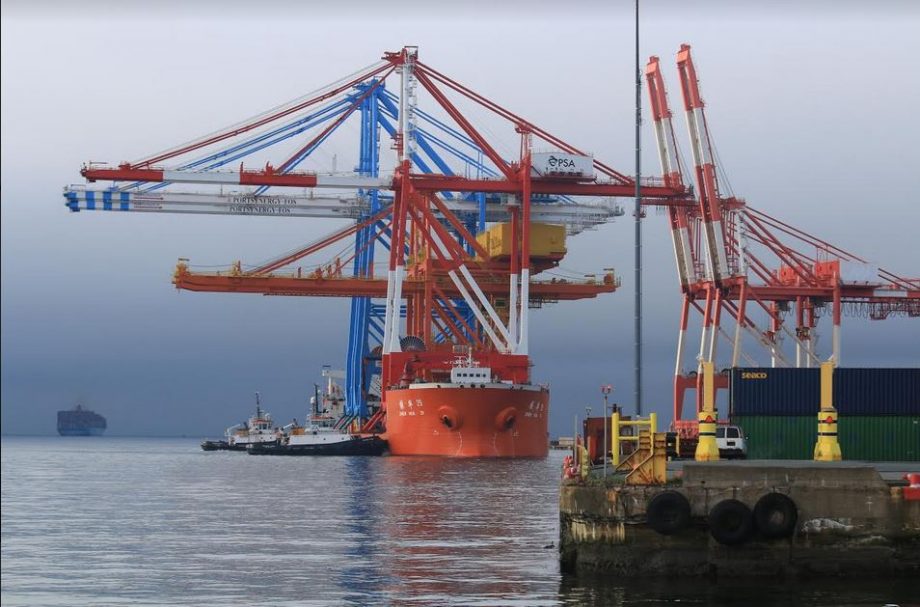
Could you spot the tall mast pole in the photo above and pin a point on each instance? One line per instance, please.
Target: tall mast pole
(638, 223)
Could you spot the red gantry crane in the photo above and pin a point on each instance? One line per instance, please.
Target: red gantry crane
(754, 268)
(465, 284)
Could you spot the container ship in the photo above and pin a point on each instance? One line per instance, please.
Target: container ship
(80, 422)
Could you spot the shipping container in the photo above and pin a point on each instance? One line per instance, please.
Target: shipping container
(593, 429)
(546, 240)
(769, 391)
(880, 438)
(877, 391)
(857, 392)
(778, 437)
(867, 438)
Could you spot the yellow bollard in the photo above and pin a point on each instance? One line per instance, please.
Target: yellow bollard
(707, 449)
(827, 447)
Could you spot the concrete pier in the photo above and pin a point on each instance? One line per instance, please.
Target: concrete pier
(845, 520)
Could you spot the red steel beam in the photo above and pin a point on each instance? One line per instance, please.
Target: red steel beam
(518, 121)
(464, 124)
(455, 183)
(291, 284)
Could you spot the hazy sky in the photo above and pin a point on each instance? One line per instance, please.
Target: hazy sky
(813, 111)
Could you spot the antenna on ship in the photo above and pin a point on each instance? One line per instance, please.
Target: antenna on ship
(258, 406)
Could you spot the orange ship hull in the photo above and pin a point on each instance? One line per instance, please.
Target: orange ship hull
(488, 420)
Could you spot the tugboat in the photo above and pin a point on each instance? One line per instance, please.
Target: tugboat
(319, 436)
(259, 430)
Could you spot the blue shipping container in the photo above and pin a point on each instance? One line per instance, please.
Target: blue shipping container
(769, 391)
(877, 391)
(857, 392)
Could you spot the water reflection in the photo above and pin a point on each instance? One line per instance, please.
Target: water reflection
(467, 531)
(159, 522)
(360, 573)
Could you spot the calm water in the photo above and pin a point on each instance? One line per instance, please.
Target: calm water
(110, 521)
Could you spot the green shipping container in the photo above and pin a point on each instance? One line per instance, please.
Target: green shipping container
(869, 438)
(778, 436)
(882, 438)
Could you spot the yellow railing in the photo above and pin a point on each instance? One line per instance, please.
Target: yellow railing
(647, 463)
(617, 424)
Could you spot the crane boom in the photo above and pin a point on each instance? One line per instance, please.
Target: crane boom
(576, 215)
(704, 163)
(248, 177)
(80, 198)
(329, 284)
(670, 167)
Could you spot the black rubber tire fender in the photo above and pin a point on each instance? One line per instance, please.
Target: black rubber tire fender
(731, 522)
(668, 512)
(776, 515)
